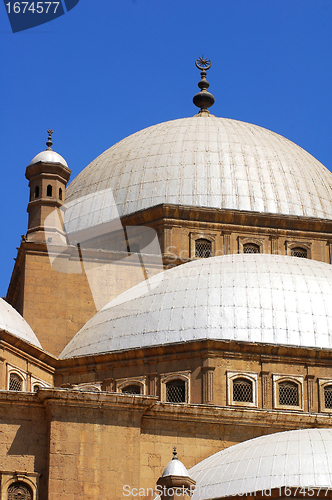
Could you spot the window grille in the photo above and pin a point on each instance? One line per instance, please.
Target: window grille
(176, 391)
(15, 382)
(288, 394)
(251, 248)
(299, 252)
(19, 491)
(242, 390)
(203, 249)
(328, 396)
(131, 389)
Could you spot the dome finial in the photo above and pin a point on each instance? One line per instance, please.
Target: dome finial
(203, 99)
(175, 454)
(49, 141)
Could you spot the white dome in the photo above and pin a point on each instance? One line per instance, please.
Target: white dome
(260, 298)
(202, 162)
(299, 458)
(48, 156)
(12, 322)
(175, 468)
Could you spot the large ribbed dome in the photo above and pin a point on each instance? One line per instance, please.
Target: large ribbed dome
(14, 323)
(298, 458)
(260, 298)
(202, 162)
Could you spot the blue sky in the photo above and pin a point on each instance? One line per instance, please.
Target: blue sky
(109, 68)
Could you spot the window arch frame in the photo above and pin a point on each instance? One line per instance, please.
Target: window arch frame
(170, 377)
(31, 479)
(11, 370)
(279, 379)
(252, 377)
(193, 237)
(291, 245)
(139, 381)
(249, 240)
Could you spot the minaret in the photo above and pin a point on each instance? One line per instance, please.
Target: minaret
(48, 174)
(203, 99)
(175, 483)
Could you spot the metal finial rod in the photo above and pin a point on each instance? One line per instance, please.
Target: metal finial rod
(203, 99)
(49, 141)
(175, 457)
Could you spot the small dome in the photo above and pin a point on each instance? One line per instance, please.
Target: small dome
(14, 323)
(48, 156)
(299, 458)
(259, 298)
(201, 162)
(175, 468)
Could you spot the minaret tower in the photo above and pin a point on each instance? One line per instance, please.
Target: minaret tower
(48, 174)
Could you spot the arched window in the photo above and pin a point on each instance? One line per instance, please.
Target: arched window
(49, 190)
(288, 393)
(15, 382)
(37, 192)
(131, 389)
(60, 194)
(299, 252)
(36, 387)
(176, 391)
(203, 248)
(251, 248)
(242, 390)
(328, 396)
(19, 491)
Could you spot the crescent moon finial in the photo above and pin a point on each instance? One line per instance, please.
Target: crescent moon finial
(203, 64)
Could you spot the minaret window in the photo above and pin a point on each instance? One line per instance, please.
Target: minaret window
(15, 382)
(49, 190)
(299, 252)
(203, 248)
(251, 248)
(60, 194)
(37, 192)
(131, 389)
(288, 393)
(242, 390)
(176, 391)
(328, 396)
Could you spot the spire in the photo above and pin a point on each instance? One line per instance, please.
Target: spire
(49, 141)
(203, 99)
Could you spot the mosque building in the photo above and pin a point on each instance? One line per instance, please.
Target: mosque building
(177, 293)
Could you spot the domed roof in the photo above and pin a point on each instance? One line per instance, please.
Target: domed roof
(299, 458)
(244, 297)
(203, 161)
(48, 156)
(175, 468)
(12, 322)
